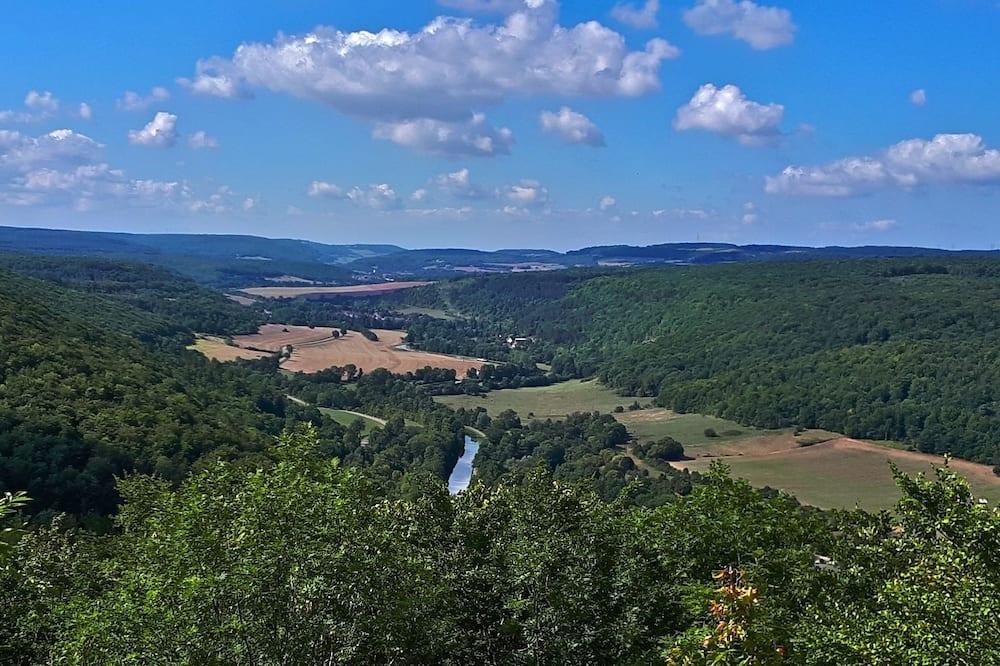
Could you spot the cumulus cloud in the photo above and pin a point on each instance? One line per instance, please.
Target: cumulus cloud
(133, 101)
(65, 167)
(459, 184)
(160, 132)
(472, 138)
(39, 105)
(572, 127)
(419, 195)
(445, 71)
(641, 17)
(200, 140)
(527, 194)
(728, 112)
(750, 215)
(760, 27)
(379, 196)
(607, 202)
(323, 189)
(918, 97)
(945, 159)
(41, 101)
(85, 111)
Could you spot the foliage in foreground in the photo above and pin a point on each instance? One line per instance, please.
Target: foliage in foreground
(305, 562)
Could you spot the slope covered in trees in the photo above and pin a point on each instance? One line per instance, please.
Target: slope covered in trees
(888, 349)
(306, 562)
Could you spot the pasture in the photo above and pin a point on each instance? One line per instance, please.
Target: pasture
(843, 472)
(345, 418)
(358, 290)
(315, 349)
(545, 402)
(218, 349)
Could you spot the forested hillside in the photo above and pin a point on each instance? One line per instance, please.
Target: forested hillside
(888, 349)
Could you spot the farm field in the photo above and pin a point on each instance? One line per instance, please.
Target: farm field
(346, 418)
(218, 349)
(819, 467)
(843, 472)
(351, 290)
(545, 402)
(315, 349)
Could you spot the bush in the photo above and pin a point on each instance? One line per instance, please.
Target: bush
(710, 432)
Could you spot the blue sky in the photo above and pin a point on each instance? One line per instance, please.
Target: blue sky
(509, 123)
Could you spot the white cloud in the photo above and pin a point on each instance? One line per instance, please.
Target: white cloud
(728, 112)
(444, 71)
(64, 168)
(85, 111)
(750, 215)
(41, 101)
(379, 197)
(133, 101)
(572, 127)
(607, 202)
(319, 188)
(760, 27)
(695, 213)
(160, 132)
(459, 184)
(419, 195)
(641, 17)
(918, 97)
(40, 107)
(527, 194)
(474, 138)
(945, 159)
(250, 204)
(876, 225)
(202, 141)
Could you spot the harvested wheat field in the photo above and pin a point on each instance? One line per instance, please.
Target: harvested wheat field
(352, 290)
(315, 349)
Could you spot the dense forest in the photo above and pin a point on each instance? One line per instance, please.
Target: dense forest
(902, 349)
(307, 562)
(160, 508)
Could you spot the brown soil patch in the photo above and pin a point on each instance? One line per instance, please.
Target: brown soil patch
(352, 290)
(315, 349)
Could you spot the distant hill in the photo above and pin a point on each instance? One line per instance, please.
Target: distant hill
(217, 260)
(233, 261)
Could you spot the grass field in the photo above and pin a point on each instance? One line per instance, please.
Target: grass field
(842, 473)
(352, 290)
(435, 313)
(819, 467)
(315, 349)
(346, 418)
(544, 402)
(218, 349)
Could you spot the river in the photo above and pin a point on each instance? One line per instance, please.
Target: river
(462, 474)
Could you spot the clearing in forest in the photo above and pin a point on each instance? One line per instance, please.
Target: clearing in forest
(546, 402)
(315, 349)
(218, 349)
(359, 290)
(843, 472)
